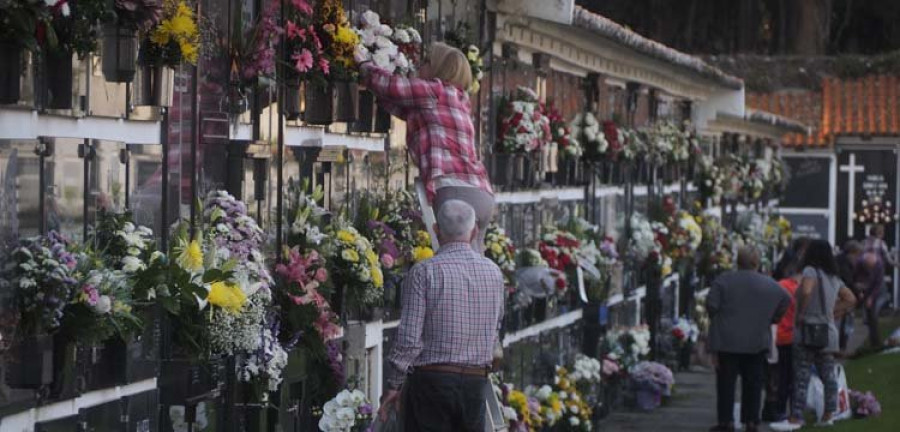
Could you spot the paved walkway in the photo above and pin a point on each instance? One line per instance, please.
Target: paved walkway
(693, 407)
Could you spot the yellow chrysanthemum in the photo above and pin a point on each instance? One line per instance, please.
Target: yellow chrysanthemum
(191, 257)
(371, 257)
(496, 249)
(423, 238)
(350, 255)
(346, 236)
(422, 253)
(227, 296)
(377, 276)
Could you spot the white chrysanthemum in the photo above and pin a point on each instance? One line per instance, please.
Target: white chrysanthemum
(370, 19)
(383, 61)
(401, 36)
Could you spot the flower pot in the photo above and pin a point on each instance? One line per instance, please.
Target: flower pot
(29, 363)
(347, 95)
(647, 396)
(292, 100)
(10, 72)
(319, 104)
(155, 87)
(58, 79)
(366, 117)
(120, 49)
(382, 120)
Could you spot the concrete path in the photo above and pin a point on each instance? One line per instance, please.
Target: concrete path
(693, 407)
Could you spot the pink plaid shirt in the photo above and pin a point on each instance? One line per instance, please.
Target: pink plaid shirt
(439, 131)
(451, 310)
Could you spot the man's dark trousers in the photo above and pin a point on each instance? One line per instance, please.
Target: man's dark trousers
(751, 369)
(440, 401)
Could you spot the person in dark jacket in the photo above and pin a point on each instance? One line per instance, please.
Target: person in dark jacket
(742, 307)
(847, 263)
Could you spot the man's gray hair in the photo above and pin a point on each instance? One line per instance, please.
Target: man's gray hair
(748, 258)
(456, 220)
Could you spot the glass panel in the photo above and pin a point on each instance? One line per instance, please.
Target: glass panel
(19, 191)
(65, 189)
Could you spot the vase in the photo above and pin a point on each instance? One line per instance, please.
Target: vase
(319, 104)
(347, 105)
(29, 363)
(10, 72)
(647, 396)
(382, 120)
(366, 117)
(58, 79)
(119, 52)
(292, 100)
(155, 87)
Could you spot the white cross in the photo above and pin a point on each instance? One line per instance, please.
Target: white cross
(851, 171)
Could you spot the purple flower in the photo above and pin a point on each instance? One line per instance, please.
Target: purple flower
(365, 409)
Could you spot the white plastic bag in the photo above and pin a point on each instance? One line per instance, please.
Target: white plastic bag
(843, 396)
(815, 397)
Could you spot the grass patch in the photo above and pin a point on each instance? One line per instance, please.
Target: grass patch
(879, 374)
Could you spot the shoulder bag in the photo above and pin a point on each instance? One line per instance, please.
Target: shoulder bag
(815, 336)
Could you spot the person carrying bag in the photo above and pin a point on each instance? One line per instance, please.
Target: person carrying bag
(821, 299)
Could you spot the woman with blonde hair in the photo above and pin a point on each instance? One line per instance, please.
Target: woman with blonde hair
(440, 135)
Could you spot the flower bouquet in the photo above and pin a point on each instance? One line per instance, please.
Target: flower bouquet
(550, 407)
(562, 134)
(560, 249)
(626, 347)
(349, 411)
(587, 130)
(777, 177)
(301, 278)
(500, 249)
(652, 380)
(308, 220)
(575, 412)
(519, 411)
(587, 371)
(708, 181)
(355, 268)
(864, 404)
(715, 254)
(777, 232)
(250, 55)
(392, 49)
(645, 245)
(174, 41)
(523, 126)
(685, 236)
(461, 38)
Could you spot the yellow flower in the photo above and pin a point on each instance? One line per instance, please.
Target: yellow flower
(496, 248)
(346, 236)
(350, 255)
(377, 276)
(371, 257)
(346, 36)
(191, 257)
(227, 296)
(423, 238)
(422, 253)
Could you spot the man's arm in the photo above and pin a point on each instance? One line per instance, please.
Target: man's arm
(714, 299)
(409, 333)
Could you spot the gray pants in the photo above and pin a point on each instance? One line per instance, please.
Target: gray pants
(481, 201)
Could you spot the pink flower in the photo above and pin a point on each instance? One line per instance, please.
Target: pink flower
(294, 31)
(304, 61)
(387, 261)
(321, 275)
(302, 6)
(91, 294)
(324, 66)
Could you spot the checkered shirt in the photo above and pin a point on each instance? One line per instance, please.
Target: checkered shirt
(439, 131)
(452, 306)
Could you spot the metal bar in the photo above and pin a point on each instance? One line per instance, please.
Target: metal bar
(195, 143)
(86, 193)
(42, 180)
(164, 199)
(127, 162)
(279, 196)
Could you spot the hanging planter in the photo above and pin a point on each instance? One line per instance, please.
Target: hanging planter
(58, 79)
(347, 95)
(366, 117)
(382, 121)
(155, 86)
(119, 53)
(319, 104)
(10, 72)
(292, 100)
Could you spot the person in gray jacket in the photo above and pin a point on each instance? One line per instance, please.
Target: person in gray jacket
(742, 306)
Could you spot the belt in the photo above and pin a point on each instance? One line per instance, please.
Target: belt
(455, 369)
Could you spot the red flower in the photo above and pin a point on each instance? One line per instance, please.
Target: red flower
(560, 283)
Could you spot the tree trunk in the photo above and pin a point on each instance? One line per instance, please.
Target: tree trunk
(813, 27)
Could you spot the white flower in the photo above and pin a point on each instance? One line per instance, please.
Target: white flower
(510, 414)
(104, 305)
(384, 30)
(401, 61)
(370, 19)
(574, 421)
(156, 255)
(383, 61)
(402, 36)
(544, 392)
(414, 34)
(131, 264)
